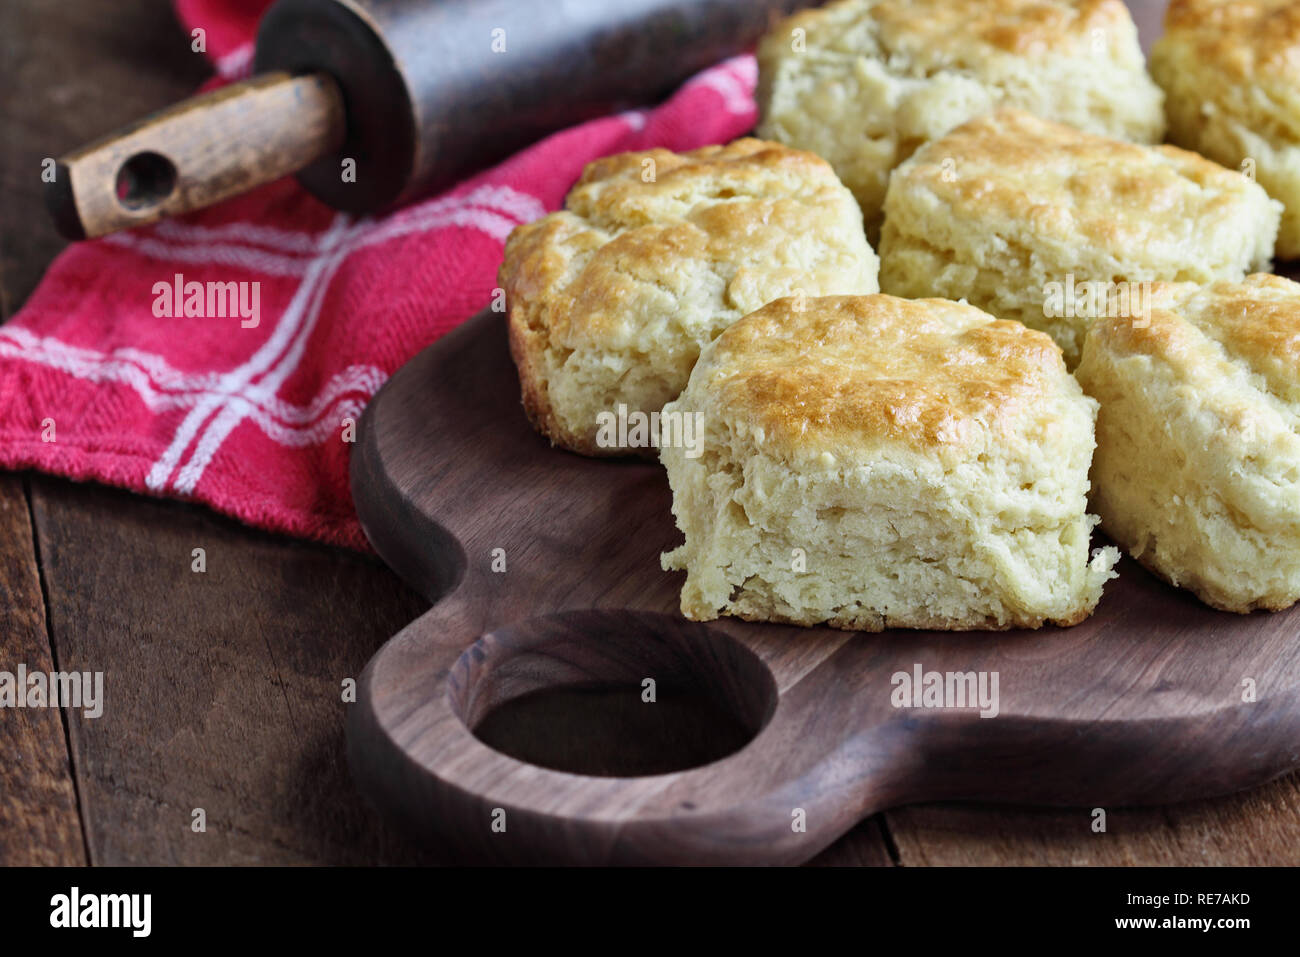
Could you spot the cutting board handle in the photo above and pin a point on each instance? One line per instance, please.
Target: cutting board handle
(196, 153)
(818, 759)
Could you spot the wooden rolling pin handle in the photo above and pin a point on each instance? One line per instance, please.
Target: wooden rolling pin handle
(197, 153)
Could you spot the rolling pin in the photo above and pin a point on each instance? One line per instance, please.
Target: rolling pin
(373, 102)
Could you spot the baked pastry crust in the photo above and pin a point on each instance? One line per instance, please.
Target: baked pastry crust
(854, 375)
(1007, 205)
(865, 82)
(872, 462)
(1197, 471)
(1230, 70)
(655, 253)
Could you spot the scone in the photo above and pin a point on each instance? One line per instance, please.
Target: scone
(872, 462)
(1197, 471)
(1042, 223)
(1231, 75)
(865, 82)
(655, 253)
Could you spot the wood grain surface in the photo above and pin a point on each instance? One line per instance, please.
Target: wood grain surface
(38, 806)
(129, 61)
(224, 688)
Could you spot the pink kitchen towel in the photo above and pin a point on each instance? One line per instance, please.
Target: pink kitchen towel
(104, 376)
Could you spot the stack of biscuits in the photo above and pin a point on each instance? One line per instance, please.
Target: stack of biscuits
(952, 310)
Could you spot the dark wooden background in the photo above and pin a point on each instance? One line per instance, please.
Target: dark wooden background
(223, 689)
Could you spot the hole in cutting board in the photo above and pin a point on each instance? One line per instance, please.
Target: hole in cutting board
(568, 692)
(607, 731)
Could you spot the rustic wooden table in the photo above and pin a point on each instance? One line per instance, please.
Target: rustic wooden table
(223, 689)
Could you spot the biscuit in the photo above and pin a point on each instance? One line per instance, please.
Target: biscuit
(1230, 70)
(1197, 471)
(872, 462)
(865, 82)
(1025, 218)
(655, 253)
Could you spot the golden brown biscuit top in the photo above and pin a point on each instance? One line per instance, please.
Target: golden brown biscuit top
(1017, 174)
(631, 189)
(1255, 322)
(643, 233)
(843, 374)
(1249, 40)
(947, 33)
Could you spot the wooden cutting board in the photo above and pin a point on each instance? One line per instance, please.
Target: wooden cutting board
(1154, 699)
